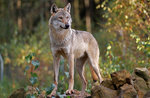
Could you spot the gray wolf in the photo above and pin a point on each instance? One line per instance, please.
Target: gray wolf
(74, 45)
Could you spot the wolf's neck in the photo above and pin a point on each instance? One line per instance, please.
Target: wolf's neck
(61, 35)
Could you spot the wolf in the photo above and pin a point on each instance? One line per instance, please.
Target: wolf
(74, 45)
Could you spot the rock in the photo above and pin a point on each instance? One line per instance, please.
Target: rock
(120, 78)
(127, 91)
(122, 85)
(75, 95)
(143, 73)
(140, 94)
(141, 81)
(147, 95)
(19, 93)
(108, 83)
(149, 70)
(102, 92)
(140, 85)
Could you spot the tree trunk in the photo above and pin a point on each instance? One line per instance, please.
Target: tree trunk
(19, 20)
(76, 12)
(88, 19)
(2, 67)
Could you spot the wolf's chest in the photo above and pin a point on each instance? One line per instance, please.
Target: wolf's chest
(62, 50)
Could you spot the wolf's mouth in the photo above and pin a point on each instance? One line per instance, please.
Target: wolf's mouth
(64, 27)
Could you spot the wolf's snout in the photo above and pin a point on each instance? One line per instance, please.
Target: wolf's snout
(66, 26)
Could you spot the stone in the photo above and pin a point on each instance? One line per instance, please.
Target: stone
(143, 73)
(120, 78)
(19, 93)
(108, 83)
(128, 91)
(103, 92)
(140, 85)
(149, 70)
(141, 81)
(147, 95)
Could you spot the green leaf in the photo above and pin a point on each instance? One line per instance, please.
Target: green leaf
(67, 74)
(34, 74)
(27, 67)
(35, 63)
(68, 96)
(32, 54)
(38, 90)
(28, 58)
(30, 96)
(49, 89)
(33, 80)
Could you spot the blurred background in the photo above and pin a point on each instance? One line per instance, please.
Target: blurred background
(122, 29)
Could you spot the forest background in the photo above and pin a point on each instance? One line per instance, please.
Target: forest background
(122, 29)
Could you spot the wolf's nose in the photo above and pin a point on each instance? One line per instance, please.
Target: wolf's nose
(67, 26)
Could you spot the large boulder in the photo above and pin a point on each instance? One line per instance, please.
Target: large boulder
(147, 95)
(19, 93)
(140, 85)
(127, 91)
(103, 92)
(143, 73)
(108, 83)
(141, 81)
(120, 78)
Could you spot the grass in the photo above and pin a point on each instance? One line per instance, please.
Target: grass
(7, 86)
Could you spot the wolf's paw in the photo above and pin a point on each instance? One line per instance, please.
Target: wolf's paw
(101, 81)
(70, 91)
(53, 93)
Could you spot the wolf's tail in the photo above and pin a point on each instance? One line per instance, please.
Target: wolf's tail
(94, 76)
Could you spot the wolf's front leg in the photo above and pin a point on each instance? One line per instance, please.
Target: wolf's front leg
(56, 60)
(71, 73)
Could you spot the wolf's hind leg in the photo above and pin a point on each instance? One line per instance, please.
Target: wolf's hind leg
(80, 68)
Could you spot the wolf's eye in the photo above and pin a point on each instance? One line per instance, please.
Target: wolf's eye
(67, 17)
(60, 17)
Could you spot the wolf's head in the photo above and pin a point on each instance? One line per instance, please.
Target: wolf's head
(60, 17)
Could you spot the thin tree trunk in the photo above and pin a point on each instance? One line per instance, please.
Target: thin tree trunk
(2, 67)
(88, 19)
(19, 21)
(76, 12)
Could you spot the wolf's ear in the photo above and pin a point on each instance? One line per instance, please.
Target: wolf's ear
(54, 8)
(68, 7)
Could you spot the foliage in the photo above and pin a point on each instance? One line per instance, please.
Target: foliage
(112, 63)
(49, 89)
(128, 23)
(26, 45)
(32, 67)
(6, 87)
(33, 78)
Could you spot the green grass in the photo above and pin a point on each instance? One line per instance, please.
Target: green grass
(7, 86)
